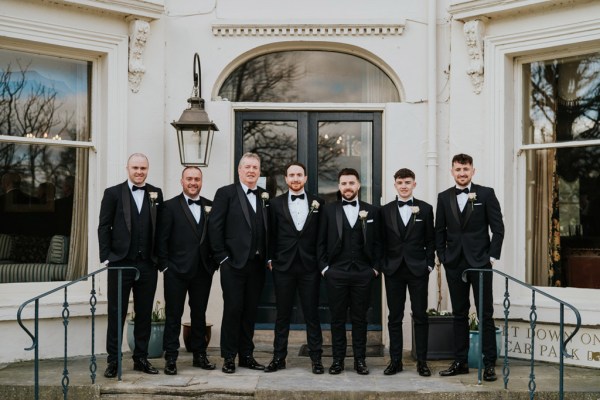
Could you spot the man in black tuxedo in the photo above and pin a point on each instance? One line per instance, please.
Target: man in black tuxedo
(294, 218)
(465, 214)
(349, 252)
(409, 257)
(126, 232)
(183, 252)
(238, 232)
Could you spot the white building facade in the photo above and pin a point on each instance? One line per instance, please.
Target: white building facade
(375, 85)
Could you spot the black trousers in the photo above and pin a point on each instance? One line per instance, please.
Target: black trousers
(306, 283)
(395, 287)
(459, 295)
(143, 301)
(242, 289)
(349, 289)
(177, 287)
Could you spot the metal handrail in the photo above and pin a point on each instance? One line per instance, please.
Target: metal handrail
(532, 319)
(65, 314)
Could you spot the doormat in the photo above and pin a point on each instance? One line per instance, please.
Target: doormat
(373, 350)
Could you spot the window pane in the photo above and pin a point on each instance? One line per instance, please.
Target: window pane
(562, 99)
(309, 76)
(345, 145)
(276, 143)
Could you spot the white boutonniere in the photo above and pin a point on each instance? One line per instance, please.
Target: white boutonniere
(207, 209)
(472, 198)
(153, 196)
(362, 214)
(265, 197)
(415, 210)
(314, 206)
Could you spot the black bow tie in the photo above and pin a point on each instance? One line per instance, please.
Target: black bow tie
(298, 196)
(349, 203)
(459, 191)
(405, 203)
(255, 191)
(190, 202)
(134, 188)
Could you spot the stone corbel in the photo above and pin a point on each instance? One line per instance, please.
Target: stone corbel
(474, 31)
(138, 34)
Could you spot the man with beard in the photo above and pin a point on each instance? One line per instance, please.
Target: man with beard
(184, 258)
(238, 231)
(294, 218)
(349, 252)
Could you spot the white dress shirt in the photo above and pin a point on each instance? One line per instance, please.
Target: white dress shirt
(194, 208)
(251, 196)
(462, 198)
(352, 212)
(138, 195)
(405, 212)
(298, 209)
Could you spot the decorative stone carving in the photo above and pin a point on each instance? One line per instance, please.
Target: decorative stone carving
(138, 34)
(474, 37)
(308, 29)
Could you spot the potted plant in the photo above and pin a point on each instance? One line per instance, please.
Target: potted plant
(474, 349)
(157, 329)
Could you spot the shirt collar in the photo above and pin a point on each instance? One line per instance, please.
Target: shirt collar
(188, 197)
(131, 184)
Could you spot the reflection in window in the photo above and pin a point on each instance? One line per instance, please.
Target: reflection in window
(43, 196)
(309, 76)
(563, 201)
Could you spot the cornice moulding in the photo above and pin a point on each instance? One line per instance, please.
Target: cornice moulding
(483, 9)
(312, 28)
(140, 9)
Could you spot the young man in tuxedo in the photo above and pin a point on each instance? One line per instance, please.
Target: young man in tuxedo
(126, 233)
(409, 256)
(465, 215)
(183, 252)
(294, 218)
(349, 252)
(238, 232)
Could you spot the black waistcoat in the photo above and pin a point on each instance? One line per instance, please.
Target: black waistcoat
(258, 229)
(353, 246)
(141, 230)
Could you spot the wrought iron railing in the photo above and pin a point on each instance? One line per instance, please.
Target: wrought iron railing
(532, 321)
(65, 315)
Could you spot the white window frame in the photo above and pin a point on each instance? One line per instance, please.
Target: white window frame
(108, 122)
(503, 88)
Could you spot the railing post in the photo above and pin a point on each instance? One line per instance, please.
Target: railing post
(65, 315)
(36, 352)
(119, 324)
(562, 353)
(532, 321)
(93, 365)
(506, 367)
(480, 328)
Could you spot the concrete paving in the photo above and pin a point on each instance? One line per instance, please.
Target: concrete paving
(295, 382)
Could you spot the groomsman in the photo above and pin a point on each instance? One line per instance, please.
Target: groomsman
(465, 215)
(409, 247)
(184, 258)
(238, 232)
(349, 252)
(294, 218)
(126, 232)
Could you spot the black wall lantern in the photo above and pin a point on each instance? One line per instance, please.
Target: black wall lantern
(194, 128)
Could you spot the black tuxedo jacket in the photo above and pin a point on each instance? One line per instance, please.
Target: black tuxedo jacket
(114, 228)
(286, 240)
(230, 227)
(180, 245)
(413, 244)
(331, 229)
(468, 234)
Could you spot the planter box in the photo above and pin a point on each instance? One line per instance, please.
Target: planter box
(441, 338)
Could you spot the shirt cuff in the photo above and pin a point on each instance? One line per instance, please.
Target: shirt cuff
(223, 260)
(324, 270)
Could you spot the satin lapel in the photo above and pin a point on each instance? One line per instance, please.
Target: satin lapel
(363, 224)
(152, 206)
(470, 207)
(286, 209)
(205, 224)
(188, 214)
(411, 221)
(244, 203)
(126, 205)
(453, 205)
(309, 200)
(392, 215)
(339, 214)
(265, 214)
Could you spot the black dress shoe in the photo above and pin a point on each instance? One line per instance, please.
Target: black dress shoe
(489, 374)
(361, 366)
(423, 368)
(393, 367)
(111, 370)
(201, 361)
(170, 367)
(456, 368)
(275, 364)
(337, 367)
(142, 364)
(317, 367)
(228, 366)
(250, 362)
